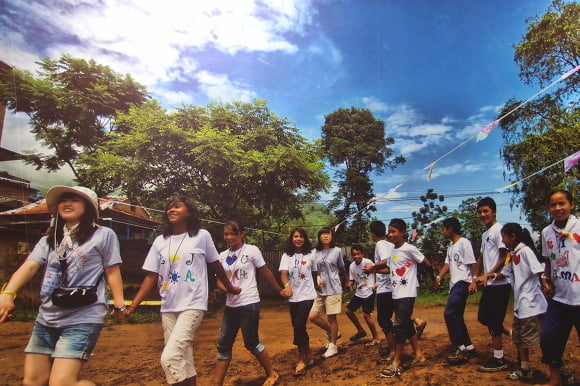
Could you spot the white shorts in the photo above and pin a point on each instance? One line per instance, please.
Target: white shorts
(177, 357)
(331, 304)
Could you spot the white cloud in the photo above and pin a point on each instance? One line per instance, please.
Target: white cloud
(456, 169)
(149, 39)
(219, 87)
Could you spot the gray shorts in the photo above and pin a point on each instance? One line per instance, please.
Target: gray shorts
(526, 332)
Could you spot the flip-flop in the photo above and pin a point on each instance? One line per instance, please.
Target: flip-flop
(301, 372)
(418, 363)
(391, 371)
(373, 342)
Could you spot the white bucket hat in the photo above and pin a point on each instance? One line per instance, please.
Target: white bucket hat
(54, 193)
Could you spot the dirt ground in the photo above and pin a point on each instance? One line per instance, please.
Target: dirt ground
(128, 354)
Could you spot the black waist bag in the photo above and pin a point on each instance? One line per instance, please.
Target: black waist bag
(74, 297)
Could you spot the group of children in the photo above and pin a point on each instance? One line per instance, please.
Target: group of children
(546, 292)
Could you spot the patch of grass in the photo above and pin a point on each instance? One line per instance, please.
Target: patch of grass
(23, 315)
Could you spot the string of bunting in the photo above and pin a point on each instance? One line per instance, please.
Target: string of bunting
(479, 136)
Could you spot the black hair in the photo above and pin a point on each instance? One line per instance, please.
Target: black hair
(193, 221)
(564, 192)
(453, 224)
(487, 201)
(522, 235)
(291, 249)
(87, 224)
(357, 247)
(235, 226)
(322, 231)
(378, 228)
(399, 224)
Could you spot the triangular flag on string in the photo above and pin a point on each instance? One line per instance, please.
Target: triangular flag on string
(501, 190)
(413, 235)
(336, 227)
(570, 72)
(430, 173)
(430, 166)
(571, 160)
(485, 132)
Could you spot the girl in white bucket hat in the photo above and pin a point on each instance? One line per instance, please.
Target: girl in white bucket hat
(75, 252)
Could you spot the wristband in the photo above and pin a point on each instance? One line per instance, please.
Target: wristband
(286, 284)
(494, 276)
(120, 309)
(4, 291)
(438, 277)
(544, 276)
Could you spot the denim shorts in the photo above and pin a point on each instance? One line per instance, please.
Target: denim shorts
(246, 318)
(73, 342)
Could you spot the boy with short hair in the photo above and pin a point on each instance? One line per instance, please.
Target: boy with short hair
(496, 291)
(459, 262)
(383, 251)
(404, 262)
(364, 295)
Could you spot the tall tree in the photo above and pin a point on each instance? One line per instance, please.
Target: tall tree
(71, 104)
(429, 239)
(238, 160)
(354, 140)
(545, 130)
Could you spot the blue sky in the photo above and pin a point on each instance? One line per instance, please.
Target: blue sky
(436, 72)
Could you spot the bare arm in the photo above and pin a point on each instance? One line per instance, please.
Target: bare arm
(287, 291)
(115, 280)
(217, 269)
(146, 286)
(22, 276)
(269, 276)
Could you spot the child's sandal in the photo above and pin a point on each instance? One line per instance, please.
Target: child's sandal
(391, 371)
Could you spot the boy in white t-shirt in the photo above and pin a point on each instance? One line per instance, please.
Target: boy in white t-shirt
(364, 295)
(460, 262)
(403, 266)
(496, 291)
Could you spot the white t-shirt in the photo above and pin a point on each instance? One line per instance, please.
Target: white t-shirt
(300, 268)
(328, 263)
(364, 282)
(383, 251)
(242, 273)
(562, 247)
(404, 262)
(524, 270)
(181, 263)
(490, 245)
(460, 257)
(85, 264)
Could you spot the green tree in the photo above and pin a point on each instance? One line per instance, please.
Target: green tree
(429, 238)
(545, 130)
(471, 226)
(354, 140)
(71, 104)
(238, 160)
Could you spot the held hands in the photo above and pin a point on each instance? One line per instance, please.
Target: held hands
(368, 268)
(473, 287)
(234, 290)
(482, 280)
(287, 292)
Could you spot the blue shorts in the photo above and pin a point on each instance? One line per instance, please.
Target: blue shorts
(73, 342)
(368, 304)
(246, 318)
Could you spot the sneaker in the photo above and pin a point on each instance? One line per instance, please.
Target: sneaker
(493, 365)
(458, 357)
(338, 336)
(331, 351)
